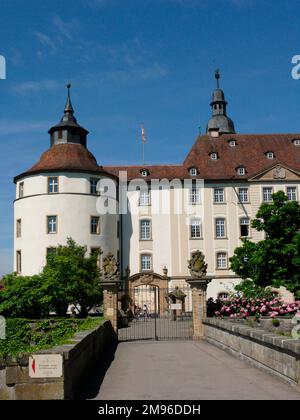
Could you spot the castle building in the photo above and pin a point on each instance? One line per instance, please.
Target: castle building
(228, 176)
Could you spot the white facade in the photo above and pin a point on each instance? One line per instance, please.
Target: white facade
(73, 206)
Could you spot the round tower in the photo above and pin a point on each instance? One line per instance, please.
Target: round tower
(57, 199)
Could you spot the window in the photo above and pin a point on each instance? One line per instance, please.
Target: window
(270, 155)
(221, 260)
(267, 194)
(194, 195)
(219, 195)
(52, 184)
(145, 230)
(193, 171)
(50, 251)
(244, 227)
(195, 229)
(93, 186)
(144, 197)
(232, 142)
(223, 295)
(296, 142)
(214, 156)
(220, 228)
(291, 192)
(19, 228)
(243, 195)
(21, 189)
(144, 172)
(95, 225)
(51, 224)
(19, 262)
(146, 262)
(241, 170)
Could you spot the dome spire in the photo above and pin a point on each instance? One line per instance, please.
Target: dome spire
(68, 111)
(217, 77)
(219, 121)
(68, 130)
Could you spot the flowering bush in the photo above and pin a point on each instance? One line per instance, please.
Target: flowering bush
(241, 307)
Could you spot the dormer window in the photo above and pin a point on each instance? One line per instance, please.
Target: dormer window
(144, 172)
(296, 142)
(214, 156)
(241, 171)
(270, 155)
(193, 171)
(232, 142)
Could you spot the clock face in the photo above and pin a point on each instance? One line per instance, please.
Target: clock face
(2, 327)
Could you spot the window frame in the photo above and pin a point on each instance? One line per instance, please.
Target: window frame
(98, 230)
(21, 189)
(244, 224)
(241, 168)
(193, 171)
(146, 237)
(144, 191)
(141, 262)
(214, 195)
(218, 260)
(56, 224)
(224, 227)
(243, 201)
(194, 193)
(92, 185)
(19, 228)
(199, 225)
(263, 194)
(18, 261)
(296, 192)
(48, 184)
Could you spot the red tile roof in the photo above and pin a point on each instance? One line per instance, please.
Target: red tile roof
(65, 157)
(249, 152)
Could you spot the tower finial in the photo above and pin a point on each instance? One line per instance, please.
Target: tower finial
(217, 76)
(68, 107)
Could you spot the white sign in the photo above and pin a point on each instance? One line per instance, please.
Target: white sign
(176, 306)
(45, 366)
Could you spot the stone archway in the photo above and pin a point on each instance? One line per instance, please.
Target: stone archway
(152, 280)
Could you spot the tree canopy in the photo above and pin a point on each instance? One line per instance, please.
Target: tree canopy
(274, 261)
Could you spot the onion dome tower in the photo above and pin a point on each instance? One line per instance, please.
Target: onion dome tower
(219, 121)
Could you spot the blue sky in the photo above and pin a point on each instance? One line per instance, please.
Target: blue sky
(133, 61)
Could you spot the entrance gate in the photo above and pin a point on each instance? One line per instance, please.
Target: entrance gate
(159, 314)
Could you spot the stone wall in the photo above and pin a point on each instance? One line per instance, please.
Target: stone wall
(279, 355)
(78, 358)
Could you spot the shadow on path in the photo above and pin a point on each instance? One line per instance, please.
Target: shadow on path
(92, 381)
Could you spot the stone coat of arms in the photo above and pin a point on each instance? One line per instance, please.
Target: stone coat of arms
(110, 266)
(197, 265)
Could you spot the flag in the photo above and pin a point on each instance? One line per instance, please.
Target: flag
(143, 134)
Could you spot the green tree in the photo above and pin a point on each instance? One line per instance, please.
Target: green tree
(23, 297)
(70, 277)
(274, 261)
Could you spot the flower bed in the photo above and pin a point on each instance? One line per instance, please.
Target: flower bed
(238, 307)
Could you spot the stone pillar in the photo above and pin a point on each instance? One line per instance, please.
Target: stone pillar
(199, 287)
(110, 301)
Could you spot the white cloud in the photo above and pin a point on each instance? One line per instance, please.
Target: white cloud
(36, 86)
(16, 127)
(46, 41)
(65, 28)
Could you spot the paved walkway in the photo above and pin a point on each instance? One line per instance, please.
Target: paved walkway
(185, 370)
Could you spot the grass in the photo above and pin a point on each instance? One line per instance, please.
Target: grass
(28, 336)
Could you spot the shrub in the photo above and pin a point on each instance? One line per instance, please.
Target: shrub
(241, 307)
